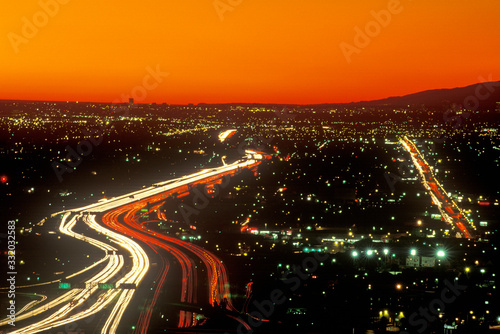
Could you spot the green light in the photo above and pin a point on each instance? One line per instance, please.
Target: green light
(63, 285)
(106, 286)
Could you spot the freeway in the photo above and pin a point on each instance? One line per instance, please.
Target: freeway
(251, 160)
(449, 210)
(119, 226)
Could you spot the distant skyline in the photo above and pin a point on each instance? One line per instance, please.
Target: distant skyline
(242, 51)
(459, 97)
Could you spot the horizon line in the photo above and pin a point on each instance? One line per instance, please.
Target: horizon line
(235, 103)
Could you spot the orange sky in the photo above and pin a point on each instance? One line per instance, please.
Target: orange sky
(270, 51)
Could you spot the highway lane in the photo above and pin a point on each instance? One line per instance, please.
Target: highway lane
(31, 304)
(146, 315)
(188, 292)
(449, 210)
(140, 266)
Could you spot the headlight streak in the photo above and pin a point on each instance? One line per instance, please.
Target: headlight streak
(140, 266)
(29, 305)
(59, 300)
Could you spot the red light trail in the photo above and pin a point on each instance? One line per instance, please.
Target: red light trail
(216, 272)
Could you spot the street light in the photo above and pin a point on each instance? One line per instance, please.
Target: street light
(354, 254)
(386, 251)
(369, 252)
(413, 251)
(441, 253)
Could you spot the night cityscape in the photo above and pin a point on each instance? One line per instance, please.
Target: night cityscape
(355, 194)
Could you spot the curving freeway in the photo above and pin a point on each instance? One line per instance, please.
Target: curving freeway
(125, 263)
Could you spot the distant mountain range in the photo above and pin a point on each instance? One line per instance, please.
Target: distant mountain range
(480, 96)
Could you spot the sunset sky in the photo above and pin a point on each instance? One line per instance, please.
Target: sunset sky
(269, 51)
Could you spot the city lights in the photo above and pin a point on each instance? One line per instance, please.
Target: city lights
(346, 202)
